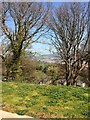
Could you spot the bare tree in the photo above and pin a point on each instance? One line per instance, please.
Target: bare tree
(22, 24)
(69, 26)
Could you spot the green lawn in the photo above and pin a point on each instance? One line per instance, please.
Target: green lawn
(45, 101)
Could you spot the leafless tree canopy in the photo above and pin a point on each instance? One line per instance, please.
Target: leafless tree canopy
(27, 20)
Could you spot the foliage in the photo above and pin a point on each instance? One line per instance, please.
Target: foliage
(34, 71)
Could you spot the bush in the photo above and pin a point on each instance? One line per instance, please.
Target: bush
(28, 68)
(21, 112)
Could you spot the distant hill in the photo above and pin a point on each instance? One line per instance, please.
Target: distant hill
(50, 58)
(51, 55)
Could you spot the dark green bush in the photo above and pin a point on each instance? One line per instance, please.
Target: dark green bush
(21, 112)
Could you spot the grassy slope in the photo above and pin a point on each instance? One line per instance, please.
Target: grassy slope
(45, 101)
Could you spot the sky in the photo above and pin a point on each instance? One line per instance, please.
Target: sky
(45, 48)
(41, 48)
(37, 47)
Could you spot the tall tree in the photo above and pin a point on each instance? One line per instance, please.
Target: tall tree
(69, 26)
(22, 24)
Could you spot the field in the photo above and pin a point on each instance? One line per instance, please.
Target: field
(45, 101)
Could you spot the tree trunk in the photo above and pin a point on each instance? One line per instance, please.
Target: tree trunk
(67, 75)
(13, 68)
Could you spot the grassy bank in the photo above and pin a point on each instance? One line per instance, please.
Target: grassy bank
(45, 101)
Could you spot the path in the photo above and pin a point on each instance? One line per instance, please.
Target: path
(4, 114)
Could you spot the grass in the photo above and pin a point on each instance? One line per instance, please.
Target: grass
(45, 101)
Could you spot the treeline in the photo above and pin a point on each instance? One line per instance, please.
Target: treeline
(36, 72)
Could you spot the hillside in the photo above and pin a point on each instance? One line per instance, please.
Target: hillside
(48, 58)
(45, 101)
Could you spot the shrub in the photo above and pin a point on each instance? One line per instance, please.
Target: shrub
(28, 68)
(21, 112)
